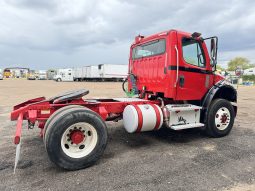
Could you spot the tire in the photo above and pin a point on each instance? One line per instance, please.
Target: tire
(220, 118)
(59, 80)
(63, 149)
(53, 116)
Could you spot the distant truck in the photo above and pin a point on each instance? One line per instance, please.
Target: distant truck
(31, 75)
(51, 73)
(42, 75)
(65, 75)
(7, 73)
(17, 73)
(1, 75)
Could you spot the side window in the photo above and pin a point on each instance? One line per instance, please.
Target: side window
(152, 48)
(192, 52)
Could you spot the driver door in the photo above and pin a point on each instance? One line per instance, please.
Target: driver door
(195, 76)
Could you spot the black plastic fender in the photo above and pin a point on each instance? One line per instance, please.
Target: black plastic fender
(220, 90)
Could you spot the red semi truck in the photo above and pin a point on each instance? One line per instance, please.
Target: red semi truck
(173, 84)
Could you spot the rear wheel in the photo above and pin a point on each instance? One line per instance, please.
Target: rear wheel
(220, 118)
(76, 139)
(53, 116)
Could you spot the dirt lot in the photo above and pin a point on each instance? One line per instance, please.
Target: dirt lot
(163, 160)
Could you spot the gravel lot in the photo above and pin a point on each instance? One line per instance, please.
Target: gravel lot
(163, 160)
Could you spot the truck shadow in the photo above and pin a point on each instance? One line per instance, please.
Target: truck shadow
(120, 141)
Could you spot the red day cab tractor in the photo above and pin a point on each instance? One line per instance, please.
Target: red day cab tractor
(172, 83)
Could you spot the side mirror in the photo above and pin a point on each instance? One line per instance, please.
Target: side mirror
(213, 52)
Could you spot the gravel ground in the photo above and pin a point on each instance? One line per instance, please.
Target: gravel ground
(163, 160)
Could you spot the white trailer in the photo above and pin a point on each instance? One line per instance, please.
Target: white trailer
(92, 72)
(249, 71)
(64, 75)
(80, 73)
(113, 72)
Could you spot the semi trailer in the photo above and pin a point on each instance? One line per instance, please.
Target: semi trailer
(113, 72)
(102, 72)
(171, 83)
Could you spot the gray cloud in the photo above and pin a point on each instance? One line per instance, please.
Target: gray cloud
(43, 34)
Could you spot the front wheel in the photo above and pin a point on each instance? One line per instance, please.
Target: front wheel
(76, 139)
(220, 118)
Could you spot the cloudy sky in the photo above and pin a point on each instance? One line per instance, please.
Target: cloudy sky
(43, 34)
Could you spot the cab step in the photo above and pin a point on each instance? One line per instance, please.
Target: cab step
(186, 126)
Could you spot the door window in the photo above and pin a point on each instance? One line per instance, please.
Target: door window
(192, 52)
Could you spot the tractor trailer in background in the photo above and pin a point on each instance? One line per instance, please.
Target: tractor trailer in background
(171, 83)
(102, 72)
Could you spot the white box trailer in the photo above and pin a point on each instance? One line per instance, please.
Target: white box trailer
(102, 72)
(80, 73)
(92, 72)
(113, 71)
(249, 71)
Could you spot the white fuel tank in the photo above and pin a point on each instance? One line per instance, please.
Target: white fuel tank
(146, 117)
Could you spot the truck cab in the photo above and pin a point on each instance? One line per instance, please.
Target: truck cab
(179, 59)
(65, 75)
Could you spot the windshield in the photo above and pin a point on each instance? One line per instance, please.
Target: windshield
(152, 48)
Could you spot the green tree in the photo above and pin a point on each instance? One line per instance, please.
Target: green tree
(219, 67)
(242, 62)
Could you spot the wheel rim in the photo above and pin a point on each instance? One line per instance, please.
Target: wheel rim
(222, 118)
(79, 140)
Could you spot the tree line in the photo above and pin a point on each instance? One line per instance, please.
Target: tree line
(240, 62)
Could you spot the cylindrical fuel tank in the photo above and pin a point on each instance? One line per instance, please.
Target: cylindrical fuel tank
(145, 117)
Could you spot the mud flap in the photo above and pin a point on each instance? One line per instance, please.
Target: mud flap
(17, 140)
(18, 146)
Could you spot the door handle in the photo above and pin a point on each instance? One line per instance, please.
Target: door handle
(182, 80)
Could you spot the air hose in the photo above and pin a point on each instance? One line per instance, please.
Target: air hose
(134, 89)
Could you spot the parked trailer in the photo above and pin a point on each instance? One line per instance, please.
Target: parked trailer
(80, 73)
(172, 76)
(102, 72)
(113, 72)
(249, 72)
(93, 73)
